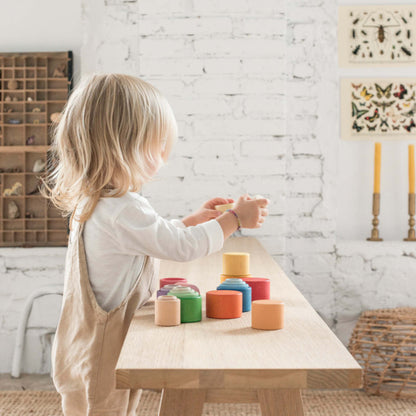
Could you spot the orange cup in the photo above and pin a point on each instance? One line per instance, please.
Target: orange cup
(224, 304)
(267, 314)
(224, 277)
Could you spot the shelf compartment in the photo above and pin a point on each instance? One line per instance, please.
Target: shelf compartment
(35, 237)
(20, 202)
(8, 162)
(10, 179)
(17, 224)
(30, 106)
(30, 61)
(58, 224)
(37, 207)
(13, 96)
(14, 135)
(35, 224)
(7, 237)
(57, 236)
(57, 95)
(35, 118)
(37, 87)
(31, 158)
(17, 107)
(39, 132)
(54, 212)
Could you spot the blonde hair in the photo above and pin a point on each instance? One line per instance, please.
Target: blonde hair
(108, 141)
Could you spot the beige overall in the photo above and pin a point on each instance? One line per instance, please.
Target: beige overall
(88, 339)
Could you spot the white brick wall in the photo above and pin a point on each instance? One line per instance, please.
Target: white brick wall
(230, 69)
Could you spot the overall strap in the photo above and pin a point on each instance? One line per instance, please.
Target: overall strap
(80, 224)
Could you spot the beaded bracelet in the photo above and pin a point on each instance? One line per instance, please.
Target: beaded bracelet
(235, 214)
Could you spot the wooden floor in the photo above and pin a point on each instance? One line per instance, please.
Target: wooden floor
(316, 402)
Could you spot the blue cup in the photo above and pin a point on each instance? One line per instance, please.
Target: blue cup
(241, 286)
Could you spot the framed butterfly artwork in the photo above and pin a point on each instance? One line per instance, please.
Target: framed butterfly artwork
(382, 35)
(383, 108)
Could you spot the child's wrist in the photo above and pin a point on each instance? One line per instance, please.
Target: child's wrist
(236, 216)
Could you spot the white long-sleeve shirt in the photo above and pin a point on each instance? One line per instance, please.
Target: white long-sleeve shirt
(121, 231)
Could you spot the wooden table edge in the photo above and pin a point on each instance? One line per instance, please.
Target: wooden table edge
(334, 378)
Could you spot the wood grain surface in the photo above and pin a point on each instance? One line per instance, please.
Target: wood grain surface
(229, 354)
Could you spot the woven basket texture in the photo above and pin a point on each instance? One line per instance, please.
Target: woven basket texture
(384, 343)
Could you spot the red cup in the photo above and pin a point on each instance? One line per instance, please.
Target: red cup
(260, 287)
(171, 280)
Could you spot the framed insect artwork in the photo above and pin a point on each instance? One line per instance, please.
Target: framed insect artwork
(382, 35)
(383, 107)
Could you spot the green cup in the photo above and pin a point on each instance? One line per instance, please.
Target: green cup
(191, 303)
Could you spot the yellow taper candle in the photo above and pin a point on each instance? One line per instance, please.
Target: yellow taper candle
(411, 169)
(377, 165)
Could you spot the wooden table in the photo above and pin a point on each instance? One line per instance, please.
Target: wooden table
(228, 361)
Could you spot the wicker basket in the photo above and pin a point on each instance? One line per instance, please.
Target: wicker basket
(384, 343)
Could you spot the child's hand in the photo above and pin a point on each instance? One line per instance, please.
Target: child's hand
(206, 212)
(251, 212)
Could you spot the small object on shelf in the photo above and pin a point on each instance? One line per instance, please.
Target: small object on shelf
(15, 121)
(36, 121)
(55, 117)
(36, 190)
(36, 110)
(8, 110)
(376, 212)
(30, 140)
(411, 233)
(13, 210)
(7, 98)
(59, 71)
(15, 190)
(10, 170)
(12, 84)
(15, 99)
(39, 165)
(29, 215)
(167, 311)
(30, 99)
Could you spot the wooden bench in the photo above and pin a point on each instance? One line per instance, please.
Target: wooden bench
(228, 361)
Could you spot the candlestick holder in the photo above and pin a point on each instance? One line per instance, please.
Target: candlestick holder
(376, 212)
(411, 233)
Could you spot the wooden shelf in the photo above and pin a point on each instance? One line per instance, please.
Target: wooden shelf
(18, 149)
(36, 87)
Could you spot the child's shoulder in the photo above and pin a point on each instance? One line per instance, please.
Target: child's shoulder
(111, 207)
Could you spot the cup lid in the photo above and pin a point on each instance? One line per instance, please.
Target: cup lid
(184, 291)
(234, 282)
(167, 298)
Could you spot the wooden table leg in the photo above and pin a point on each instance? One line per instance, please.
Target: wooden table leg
(182, 402)
(280, 402)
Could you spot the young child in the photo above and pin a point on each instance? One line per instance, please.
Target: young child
(114, 134)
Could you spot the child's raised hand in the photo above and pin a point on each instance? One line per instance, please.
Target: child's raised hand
(251, 212)
(206, 212)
